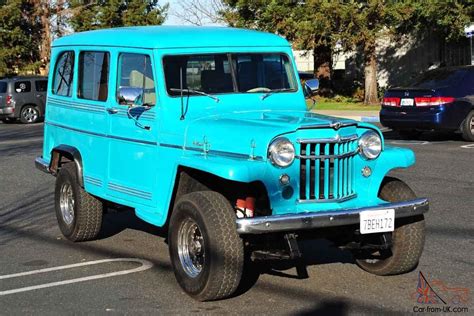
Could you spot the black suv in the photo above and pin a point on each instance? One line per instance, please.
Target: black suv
(23, 97)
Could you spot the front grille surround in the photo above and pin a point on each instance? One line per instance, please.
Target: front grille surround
(327, 172)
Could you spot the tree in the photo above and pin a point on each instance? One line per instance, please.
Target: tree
(96, 14)
(312, 24)
(200, 12)
(19, 36)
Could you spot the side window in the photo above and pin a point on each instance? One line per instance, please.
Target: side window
(63, 74)
(135, 84)
(22, 86)
(41, 85)
(93, 76)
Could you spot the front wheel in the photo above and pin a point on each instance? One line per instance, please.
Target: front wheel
(206, 252)
(408, 238)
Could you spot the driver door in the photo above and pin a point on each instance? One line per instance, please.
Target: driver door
(133, 147)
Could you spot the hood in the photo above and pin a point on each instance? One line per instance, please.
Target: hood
(249, 133)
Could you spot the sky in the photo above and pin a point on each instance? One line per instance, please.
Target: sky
(172, 19)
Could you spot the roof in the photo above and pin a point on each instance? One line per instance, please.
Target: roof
(173, 37)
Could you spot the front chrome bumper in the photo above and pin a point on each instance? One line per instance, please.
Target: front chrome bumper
(311, 220)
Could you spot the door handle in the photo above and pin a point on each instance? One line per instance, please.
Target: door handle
(38, 95)
(112, 111)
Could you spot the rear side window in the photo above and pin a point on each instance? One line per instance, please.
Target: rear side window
(63, 74)
(41, 85)
(93, 76)
(3, 87)
(22, 86)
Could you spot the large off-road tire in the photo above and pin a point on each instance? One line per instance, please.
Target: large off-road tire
(79, 214)
(206, 252)
(467, 127)
(408, 238)
(29, 114)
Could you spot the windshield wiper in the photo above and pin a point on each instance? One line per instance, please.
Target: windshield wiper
(196, 92)
(269, 93)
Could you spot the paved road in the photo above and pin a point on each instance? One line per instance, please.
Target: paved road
(30, 240)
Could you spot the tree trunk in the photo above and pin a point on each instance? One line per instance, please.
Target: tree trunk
(322, 55)
(370, 72)
(46, 40)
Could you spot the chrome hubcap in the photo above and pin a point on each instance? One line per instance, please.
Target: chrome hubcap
(66, 203)
(30, 114)
(471, 125)
(191, 248)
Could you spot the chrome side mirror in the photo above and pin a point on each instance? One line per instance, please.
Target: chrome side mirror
(311, 86)
(130, 96)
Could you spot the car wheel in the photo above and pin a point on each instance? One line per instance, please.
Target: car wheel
(467, 127)
(29, 114)
(408, 237)
(409, 134)
(206, 252)
(79, 214)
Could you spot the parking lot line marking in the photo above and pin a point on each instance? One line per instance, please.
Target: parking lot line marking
(468, 146)
(145, 266)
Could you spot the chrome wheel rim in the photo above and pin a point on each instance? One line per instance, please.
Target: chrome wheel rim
(191, 248)
(66, 203)
(471, 125)
(30, 114)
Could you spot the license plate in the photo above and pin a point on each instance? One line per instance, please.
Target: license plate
(378, 221)
(406, 102)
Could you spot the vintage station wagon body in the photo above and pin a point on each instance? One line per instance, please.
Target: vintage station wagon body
(136, 155)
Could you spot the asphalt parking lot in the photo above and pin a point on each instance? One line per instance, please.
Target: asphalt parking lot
(41, 272)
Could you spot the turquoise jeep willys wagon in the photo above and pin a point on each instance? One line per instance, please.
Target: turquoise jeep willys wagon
(206, 131)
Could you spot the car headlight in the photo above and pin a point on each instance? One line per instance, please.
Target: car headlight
(370, 145)
(281, 152)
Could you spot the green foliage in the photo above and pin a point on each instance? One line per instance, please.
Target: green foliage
(23, 24)
(19, 36)
(93, 14)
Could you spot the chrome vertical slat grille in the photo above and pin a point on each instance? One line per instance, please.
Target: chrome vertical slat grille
(327, 169)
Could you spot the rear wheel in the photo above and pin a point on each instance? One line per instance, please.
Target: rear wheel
(29, 114)
(407, 240)
(467, 127)
(79, 214)
(206, 252)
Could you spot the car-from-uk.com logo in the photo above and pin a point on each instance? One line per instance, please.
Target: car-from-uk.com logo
(437, 297)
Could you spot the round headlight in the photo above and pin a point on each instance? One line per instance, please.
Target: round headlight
(281, 152)
(370, 145)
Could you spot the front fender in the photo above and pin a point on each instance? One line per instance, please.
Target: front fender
(241, 170)
(391, 158)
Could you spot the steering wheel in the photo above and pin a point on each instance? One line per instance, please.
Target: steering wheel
(259, 89)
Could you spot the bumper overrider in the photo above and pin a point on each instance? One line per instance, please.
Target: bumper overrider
(312, 220)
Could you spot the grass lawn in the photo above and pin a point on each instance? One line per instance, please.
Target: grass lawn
(342, 106)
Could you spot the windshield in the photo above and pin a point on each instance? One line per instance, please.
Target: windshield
(440, 78)
(228, 73)
(3, 87)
